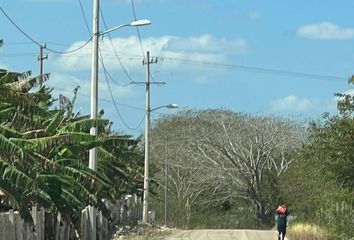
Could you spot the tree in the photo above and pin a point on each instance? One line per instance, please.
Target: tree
(320, 182)
(229, 155)
(44, 153)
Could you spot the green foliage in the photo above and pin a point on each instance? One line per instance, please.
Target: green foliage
(320, 183)
(44, 154)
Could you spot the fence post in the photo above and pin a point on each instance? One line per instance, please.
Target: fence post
(85, 224)
(34, 217)
(12, 226)
(57, 227)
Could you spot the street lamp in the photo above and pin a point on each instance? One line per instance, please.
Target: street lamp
(94, 91)
(137, 23)
(94, 78)
(147, 152)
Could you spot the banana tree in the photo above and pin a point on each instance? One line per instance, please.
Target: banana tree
(44, 153)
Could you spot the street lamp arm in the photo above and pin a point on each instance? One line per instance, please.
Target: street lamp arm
(172, 105)
(112, 29)
(136, 23)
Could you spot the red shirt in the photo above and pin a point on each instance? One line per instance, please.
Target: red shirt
(281, 209)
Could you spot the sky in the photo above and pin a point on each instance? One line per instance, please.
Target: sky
(277, 57)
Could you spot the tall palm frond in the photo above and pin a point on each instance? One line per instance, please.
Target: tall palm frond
(9, 148)
(8, 77)
(44, 152)
(27, 84)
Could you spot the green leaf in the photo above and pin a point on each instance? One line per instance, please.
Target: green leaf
(8, 147)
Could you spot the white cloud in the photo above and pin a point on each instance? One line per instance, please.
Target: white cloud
(207, 44)
(325, 30)
(202, 80)
(349, 92)
(254, 15)
(48, 1)
(65, 84)
(127, 1)
(292, 103)
(200, 48)
(2, 66)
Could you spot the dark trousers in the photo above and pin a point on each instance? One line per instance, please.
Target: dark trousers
(281, 232)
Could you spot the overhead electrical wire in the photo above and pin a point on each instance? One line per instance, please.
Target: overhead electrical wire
(107, 75)
(30, 42)
(256, 69)
(115, 52)
(188, 61)
(117, 110)
(39, 44)
(137, 28)
(139, 37)
(29, 54)
(114, 49)
(84, 17)
(101, 99)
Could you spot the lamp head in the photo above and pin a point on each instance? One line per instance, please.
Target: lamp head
(141, 22)
(172, 105)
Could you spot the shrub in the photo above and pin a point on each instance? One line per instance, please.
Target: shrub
(302, 231)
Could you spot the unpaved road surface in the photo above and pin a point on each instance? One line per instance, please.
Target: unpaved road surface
(222, 235)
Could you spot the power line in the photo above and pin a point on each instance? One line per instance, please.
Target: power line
(84, 16)
(206, 64)
(29, 54)
(36, 42)
(101, 99)
(139, 36)
(18, 43)
(256, 69)
(30, 42)
(137, 29)
(106, 74)
(116, 108)
(115, 52)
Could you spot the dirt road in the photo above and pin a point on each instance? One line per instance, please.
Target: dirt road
(222, 235)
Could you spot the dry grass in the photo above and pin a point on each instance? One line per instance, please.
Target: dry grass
(301, 231)
(145, 233)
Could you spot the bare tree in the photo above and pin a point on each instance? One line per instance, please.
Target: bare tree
(188, 177)
(224, 154)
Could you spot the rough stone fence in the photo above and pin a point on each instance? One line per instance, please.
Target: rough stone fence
(126, 212)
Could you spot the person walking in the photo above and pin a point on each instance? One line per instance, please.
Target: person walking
(282, 212)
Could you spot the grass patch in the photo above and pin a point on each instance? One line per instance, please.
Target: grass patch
(303, 231)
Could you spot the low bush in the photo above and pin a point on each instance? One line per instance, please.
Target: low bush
(302, 231)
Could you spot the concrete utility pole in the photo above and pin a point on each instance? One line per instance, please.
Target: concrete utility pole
(149, 61)
(94, 93)
(40, 59)
(94, 103)
(147, 141)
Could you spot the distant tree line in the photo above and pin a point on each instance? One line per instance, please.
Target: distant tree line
(222, 169)
(219, 169)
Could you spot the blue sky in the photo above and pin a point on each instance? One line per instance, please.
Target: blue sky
(276, 57)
